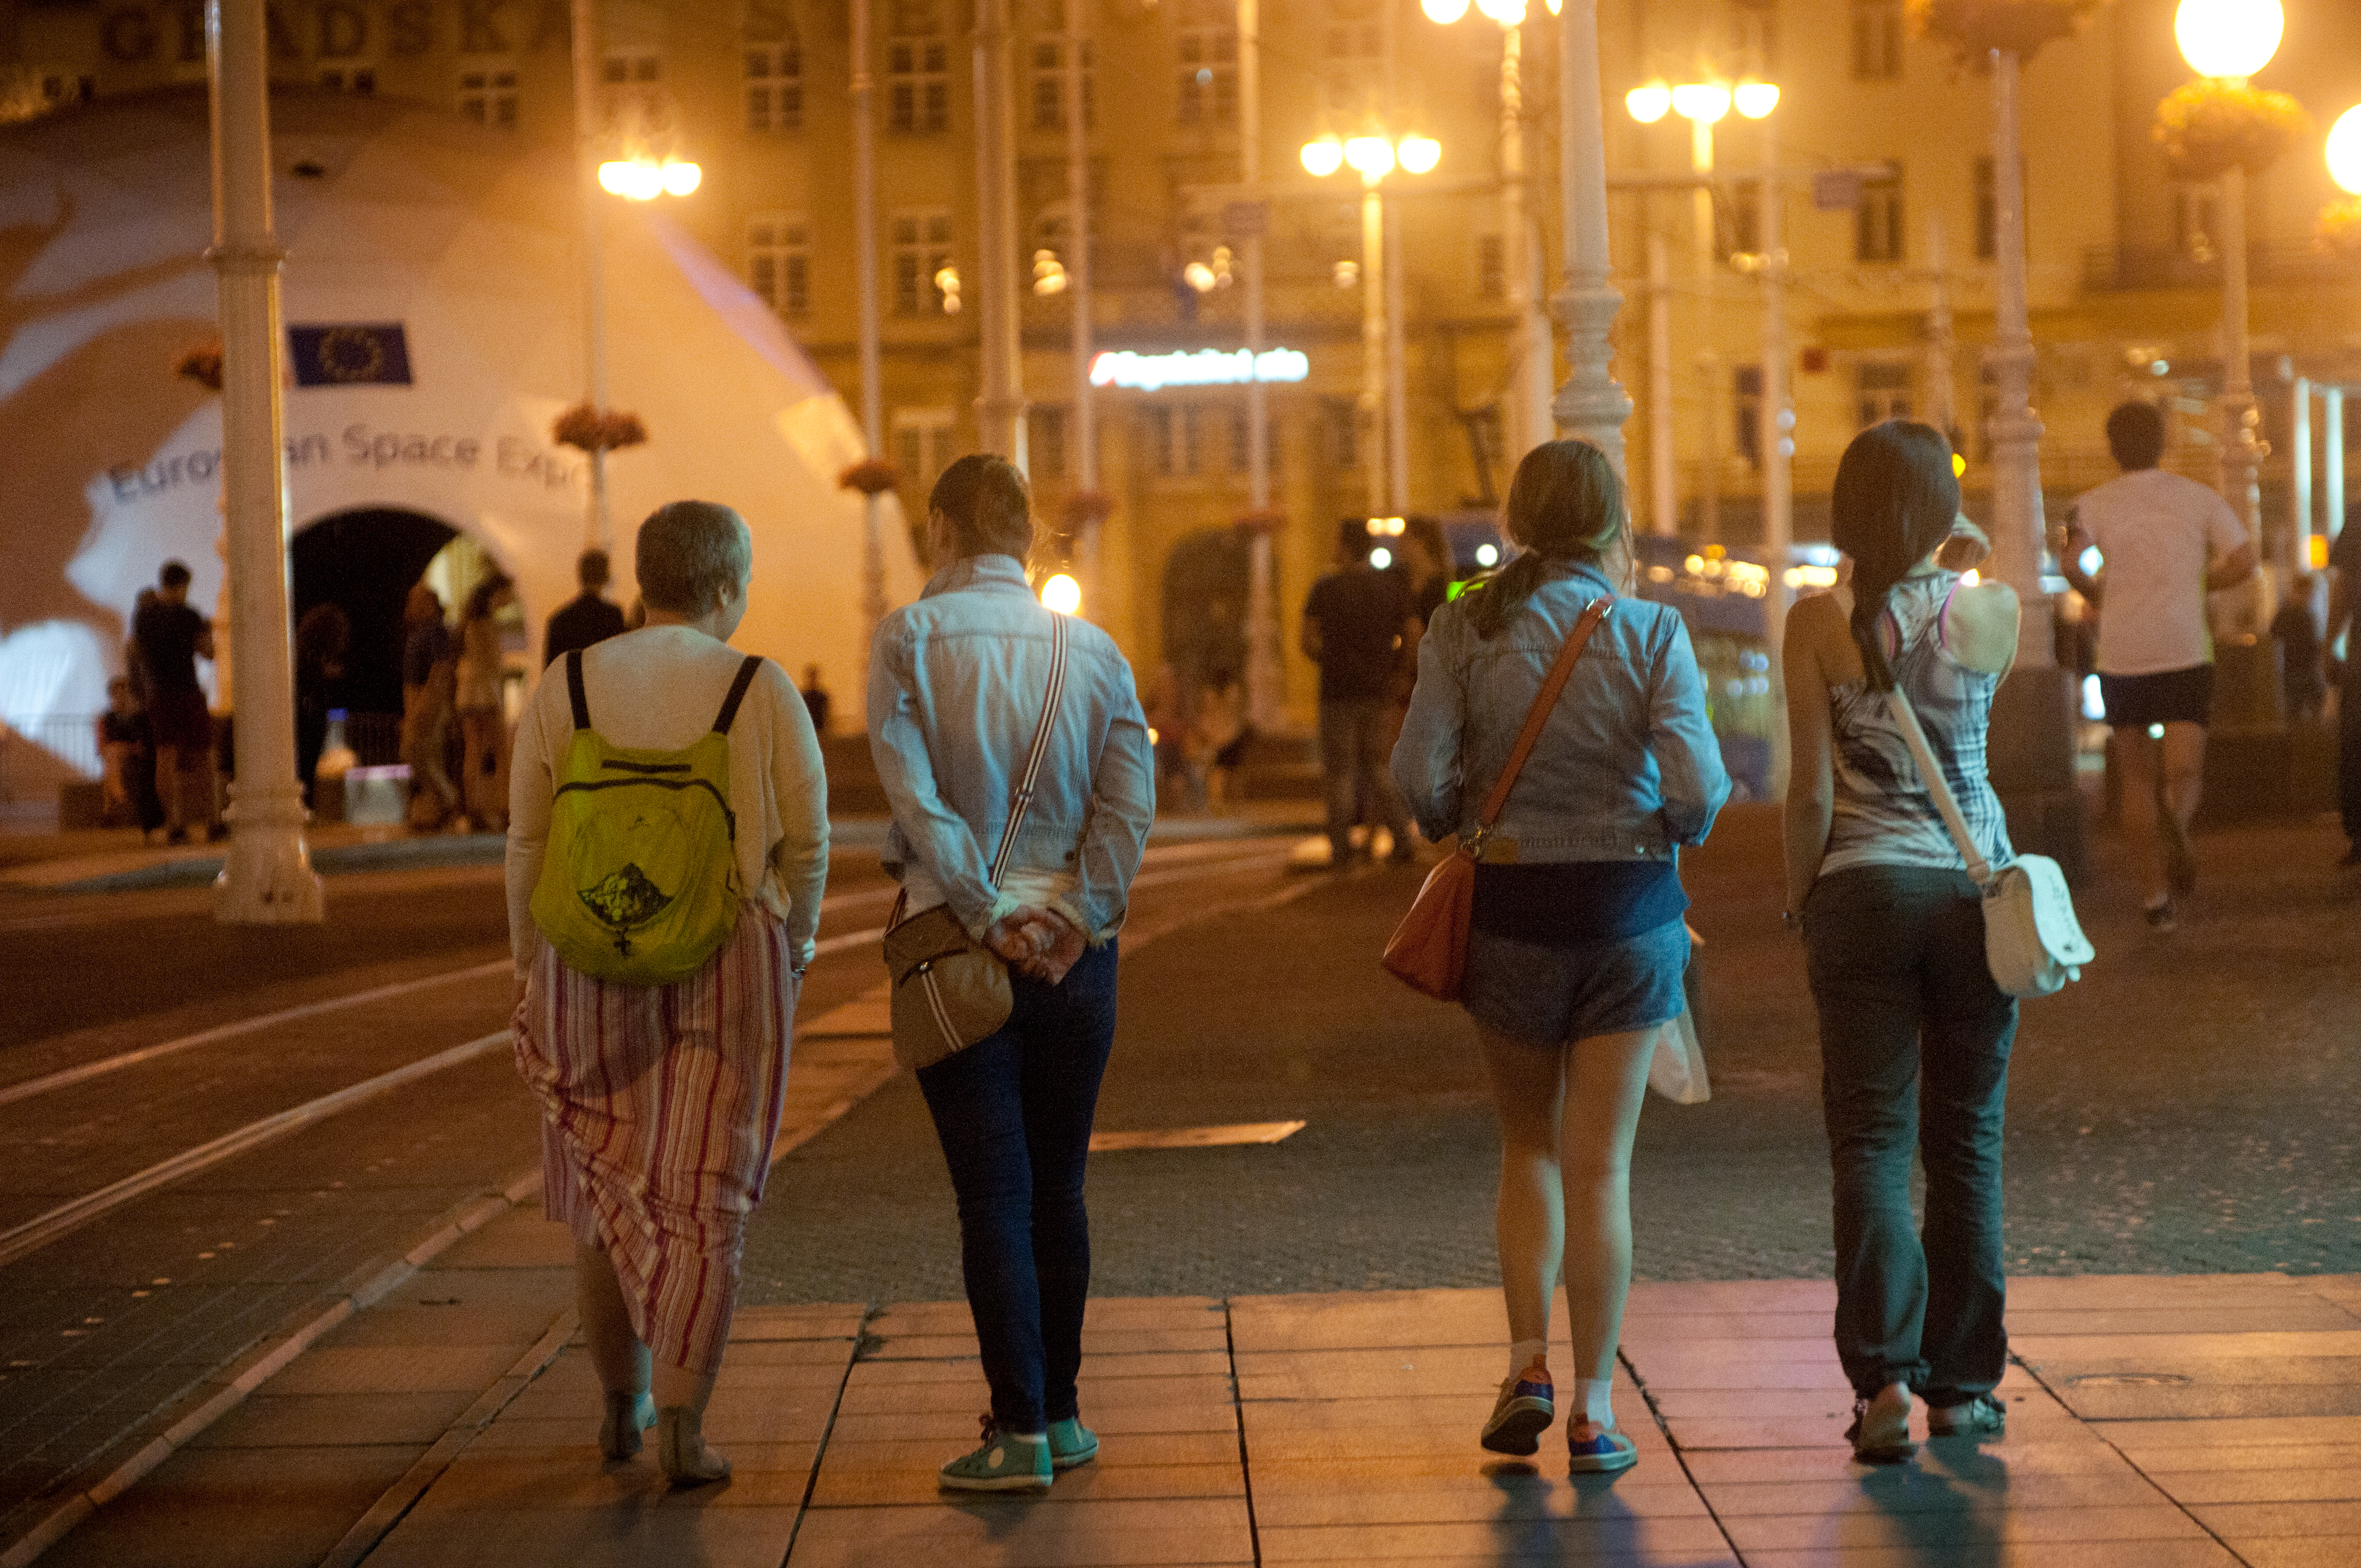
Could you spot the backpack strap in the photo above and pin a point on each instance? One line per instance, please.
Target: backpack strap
(729, 714)
(574, 688)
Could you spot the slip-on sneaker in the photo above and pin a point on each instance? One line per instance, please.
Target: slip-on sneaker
(1605, 1455)
(1005, 1463)
(1071, 1443)
(1526, 1406)
(1880, 1433)
(1982, 1416)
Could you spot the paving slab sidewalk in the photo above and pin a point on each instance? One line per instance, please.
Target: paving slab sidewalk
(2153, 1422)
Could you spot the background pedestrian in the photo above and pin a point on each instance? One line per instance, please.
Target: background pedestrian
(586, 619)
(321, 640)
(1914, 1035)
(2345, 592)
(2166, 542)
(957, 682)
(660, 1103)
(1355, 623)
(172, 636)
(1576, 944)
(128, 758)
(429, 681)
(483, 721)
(2296, 629)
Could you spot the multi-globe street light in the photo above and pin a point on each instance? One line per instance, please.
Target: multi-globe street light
(1703, 104)
(1530, 353)
(1373, 155)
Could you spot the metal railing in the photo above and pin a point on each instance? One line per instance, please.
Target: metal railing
(40, 753)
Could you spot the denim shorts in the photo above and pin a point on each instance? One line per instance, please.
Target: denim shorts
(1550, 994)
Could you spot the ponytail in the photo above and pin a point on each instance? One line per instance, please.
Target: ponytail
(1895, 501)
(1565, 504)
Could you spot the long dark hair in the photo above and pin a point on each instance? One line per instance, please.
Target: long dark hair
(1895, 499)
(1566, 504)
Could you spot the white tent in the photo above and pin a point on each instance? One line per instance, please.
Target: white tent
(391, 215)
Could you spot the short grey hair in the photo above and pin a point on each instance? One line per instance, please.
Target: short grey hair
(690, 553)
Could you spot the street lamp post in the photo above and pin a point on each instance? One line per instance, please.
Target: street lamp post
(864, 252)
(2230, 43)
(1373, 157)
(1590, 404)
(1530, 349)
(1262, 584)
(267, 879)
(999, 404)
(599, 528)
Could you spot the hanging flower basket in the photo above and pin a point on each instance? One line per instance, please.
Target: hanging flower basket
(1085, 509)
(870, 477)
(201, 362)
(1975, 28)
(2339, 229)
(1261, 520)
(2208, 127)
(589, 429)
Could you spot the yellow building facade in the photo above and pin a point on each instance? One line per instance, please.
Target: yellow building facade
(1884, 142)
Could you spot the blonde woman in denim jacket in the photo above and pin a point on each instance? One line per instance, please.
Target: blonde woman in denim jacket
(1574, 958)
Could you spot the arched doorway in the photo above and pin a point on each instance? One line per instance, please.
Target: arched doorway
(365, 563)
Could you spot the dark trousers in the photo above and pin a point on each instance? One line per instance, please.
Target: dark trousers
(2348, 747)
(1355, 772)
(1913, 1051)
(1014, 1114)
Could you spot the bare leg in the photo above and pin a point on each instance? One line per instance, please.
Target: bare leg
(2184, 781)
(1565, 1185)
(1608, 1082)
(615, 1353)
(1529, 1091)
(2137, 751)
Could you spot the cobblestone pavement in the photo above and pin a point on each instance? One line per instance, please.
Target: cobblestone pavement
(2189, 1108)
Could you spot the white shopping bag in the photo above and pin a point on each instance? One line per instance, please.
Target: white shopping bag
(1678, 1070)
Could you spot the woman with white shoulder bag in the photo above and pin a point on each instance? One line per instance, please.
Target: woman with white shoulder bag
(1915, 1032)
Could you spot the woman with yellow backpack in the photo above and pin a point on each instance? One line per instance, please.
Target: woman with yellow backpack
(667, 847)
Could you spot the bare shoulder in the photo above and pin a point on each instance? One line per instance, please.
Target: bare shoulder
(1815, 619)
(1982, 626)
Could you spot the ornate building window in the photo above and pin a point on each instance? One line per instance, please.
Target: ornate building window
(1205, 47)
(778, 262)
(775, 86)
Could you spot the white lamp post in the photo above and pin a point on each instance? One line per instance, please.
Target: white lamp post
(999, 404)
(2344, 167)
(1262, 586)
(1530, 349)
(1590, 404)
(2230, 40)
(1373, 157)
(864, 252)
(267, 880)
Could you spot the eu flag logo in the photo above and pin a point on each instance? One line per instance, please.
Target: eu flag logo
(348, 356)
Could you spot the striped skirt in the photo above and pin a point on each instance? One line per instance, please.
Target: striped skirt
(659, 1106)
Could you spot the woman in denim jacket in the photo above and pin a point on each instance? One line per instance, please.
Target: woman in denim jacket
(1577, 945)
(956, 689)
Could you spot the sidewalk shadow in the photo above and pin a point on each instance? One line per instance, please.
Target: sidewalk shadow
(1943, 1514)
(1531, 1524)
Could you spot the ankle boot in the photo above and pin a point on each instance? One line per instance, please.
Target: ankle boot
(681, 1450)
(626, 1416)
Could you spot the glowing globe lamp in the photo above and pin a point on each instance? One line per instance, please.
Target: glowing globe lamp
(1649, 104)
(1062, 593)
(1508, 13)
(1705, 102)
(1324, 157)
(1420, 154)
(1372, 157)
(2232, 38)
(2344, 150)
(1756, 99)
(1444, 11)
(680, 178)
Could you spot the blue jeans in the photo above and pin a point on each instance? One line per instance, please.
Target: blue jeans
(1014, 1114)
(1354, 777)
(1914, 1050)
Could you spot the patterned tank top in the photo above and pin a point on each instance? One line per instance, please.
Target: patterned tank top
(1883, 814)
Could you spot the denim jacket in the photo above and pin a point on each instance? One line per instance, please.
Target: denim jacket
(1627, 767)
(956, 682)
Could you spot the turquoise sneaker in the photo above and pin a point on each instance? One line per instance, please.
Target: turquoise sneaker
(1071, 1443)
(1005, 1463)
(1605, 1455)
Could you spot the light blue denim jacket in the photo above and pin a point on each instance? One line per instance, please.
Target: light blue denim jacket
(955, 688)
(1627, 768)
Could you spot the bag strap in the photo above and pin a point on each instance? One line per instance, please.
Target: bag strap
(1022, 801)
(729, 714)
(1907, 720)
(574, 688)
(1537, 717)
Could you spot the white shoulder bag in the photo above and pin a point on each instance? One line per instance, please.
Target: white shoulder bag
(2033, 943)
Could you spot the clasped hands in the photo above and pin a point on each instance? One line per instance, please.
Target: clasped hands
(1038, 943)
